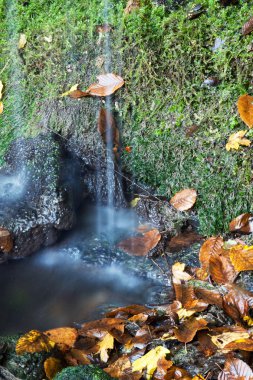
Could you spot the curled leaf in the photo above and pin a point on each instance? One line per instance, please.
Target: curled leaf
(184, 200)
(242, 223)
(187, 330)
(210, 247)
(235, 369)
(107, 85)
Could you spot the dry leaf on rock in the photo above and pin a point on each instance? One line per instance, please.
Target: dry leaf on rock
(22, 41)
(141, 245)
(241, 257)
(6, 241)
(64, 337)
(177, 373)
(210, 247)
(150, 361)
(187, 330)
(33, 341)
(128, 311)
(184, 200)
(51, 367)
(242, 223)
(162, 368)
(245, 109)
(235, 369)
(247, 27)
(236, 140)
(132, 5)
(119, 368)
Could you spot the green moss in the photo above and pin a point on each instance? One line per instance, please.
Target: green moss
(89, 372)
(164, 58)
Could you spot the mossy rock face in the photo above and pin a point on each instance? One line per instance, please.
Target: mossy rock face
(27, 366)
(89, 372)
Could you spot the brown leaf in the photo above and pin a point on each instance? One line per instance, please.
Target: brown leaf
(64, 337)
(191, 130)
(205, 343)
(77, 357)
(183, 240)
(33, 341)
(141, 245)
(188, 329)
(242, 223)
(209, 293)
(211, 247)
(222, 270)
(6, 242)
(247, 27)
(162, 368)
(77, 94)
(237, 303)
(235, 369)
(245, 109)
(127, 311)
(107, 127)
(105, 324)
(184, 200)
(107, 85)
(132, 5)
(52, 366)
(104, 28)
(177, 373)
(119, 368)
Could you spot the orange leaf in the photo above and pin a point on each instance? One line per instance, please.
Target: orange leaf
(51, 367)
(6, 242)
(237, 303)
(107, 85)
(76, 357)
(188, 329)
(107, 127)
(210, 247)
(222, 270)
(141, 245)
(241, 258)
(183, 240)
(245, 109)
(64, 337)
(184, 200)
(242, 223)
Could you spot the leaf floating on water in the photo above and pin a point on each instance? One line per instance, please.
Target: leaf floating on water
(141, 245)
(245, 109)
(64, 337)
(132, 5)
(52, 366)
(235, 369)
(107, 85)
(150, 361)
(236, 140)
(22, 41)
(107, 343)
(242, 223)
(1, 89)
(1, 107)
(247, 27)
(184, 200)
(33, 341)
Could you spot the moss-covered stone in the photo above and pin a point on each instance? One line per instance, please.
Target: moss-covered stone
(89, 372)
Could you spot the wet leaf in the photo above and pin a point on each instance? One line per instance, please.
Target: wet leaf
(64, 337)
(107, 85)
(222, 340)
(242, 223)
(6, 241)
(236, 140)
(52, 366)
(107, 343)
(210, 247)
(235, 369)
(33, 341)
(150, 361)
(222, 270)
(76, 357)
(187, 330)
(245, 109)
(105, 324)
(179, 274)
(1, 108)
(162, 368)
(22, 41)
(107, 127)
(177, 373)
(141, 245)
(134, 203)
(247, 27)
(184, 200)
(183, 240)
(237, 303)
(128, 311)
(132, 5)
(1, 89)
(241, 257)
(120, 367)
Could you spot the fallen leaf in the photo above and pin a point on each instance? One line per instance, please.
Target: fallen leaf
(191, 130)
(64, 337)
(128, 311)
(179, 274)
(150, 361)
(132, 5)
(107, 343)
(141, 245)
(162, 368)
(235, 369)
(187, 330)
(6, 241)
(52, 366)
(33, 341)
(76, 357)
(242, 223)
(183, 241)
(74, 92)
(22, 41)
(177, 373)
(241, 257)
(247, 27)
(107, 127)
(1, 107)
(236, 140)
(222, 270)
(120, 367)
(107, 85)
(222, 340)
(210, 247)
(237, 303)
(184, 200)
(134, 203)
(1, 89)
(128, 149)
(245, 109)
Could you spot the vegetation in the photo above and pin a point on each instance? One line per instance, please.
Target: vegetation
(89, 372)
(165, 59)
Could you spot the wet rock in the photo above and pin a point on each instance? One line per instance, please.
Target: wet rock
(88, 372)
(36, 197)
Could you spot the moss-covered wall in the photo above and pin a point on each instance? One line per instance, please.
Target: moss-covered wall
(164, 59)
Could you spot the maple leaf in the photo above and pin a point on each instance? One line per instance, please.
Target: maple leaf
(107, 343)
(150, 361)
(237, 139)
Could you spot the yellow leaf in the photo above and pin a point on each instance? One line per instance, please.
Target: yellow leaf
(33, 341)
(237, 139)
(134, 202)
(150, 361)
(1, 89)
(1, 107)
(72, 89)
(51, 367)
(106, 344)
(224, 339)
(183, 313)
(179, 274)
(22, 41)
